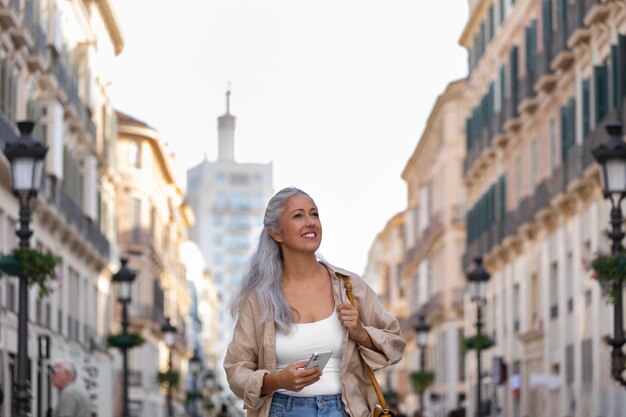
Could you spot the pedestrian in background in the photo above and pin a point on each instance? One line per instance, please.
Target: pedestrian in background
(291, 304)
(73, 399)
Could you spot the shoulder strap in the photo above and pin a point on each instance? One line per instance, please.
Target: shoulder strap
(379, 393)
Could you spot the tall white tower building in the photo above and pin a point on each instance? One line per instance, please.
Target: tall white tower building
(228, 199)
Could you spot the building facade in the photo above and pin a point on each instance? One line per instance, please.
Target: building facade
(47, 75)
(229, 200)
(544, 77)
(153, 222)
(435, 242)
(382, 273)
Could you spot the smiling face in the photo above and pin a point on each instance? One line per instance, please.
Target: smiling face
(300, 226)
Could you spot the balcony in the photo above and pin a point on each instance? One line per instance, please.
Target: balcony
(146, 314)
(56, 196)
(9, 13)
(433, 307)
(37, 60)
(20, 34)
(423, 244)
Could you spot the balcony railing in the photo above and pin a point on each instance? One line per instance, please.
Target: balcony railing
(146, 312)
(435, 226)
(56, 195)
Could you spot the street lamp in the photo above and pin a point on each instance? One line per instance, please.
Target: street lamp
(611, 155)
(169, 334)
(421, 330)
(478, 278)
(123, 280)
(195, 368)
(26, 156)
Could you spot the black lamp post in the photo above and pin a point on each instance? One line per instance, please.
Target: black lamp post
(195, 368)
(611, 155)
(169, 334)
(123, 279)
(26, 157)
(478, 278)
(421, 330)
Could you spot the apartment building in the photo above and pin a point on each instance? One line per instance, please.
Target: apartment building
(434, 245)
(544, 77)
(382, 273)
(47, 51)
(153, 222)
(229, 199)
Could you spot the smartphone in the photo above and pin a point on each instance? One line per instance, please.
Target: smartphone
(319, 359)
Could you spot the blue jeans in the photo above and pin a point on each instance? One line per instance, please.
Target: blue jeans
(318, 406)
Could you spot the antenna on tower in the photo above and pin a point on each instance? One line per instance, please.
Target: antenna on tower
(228, 98)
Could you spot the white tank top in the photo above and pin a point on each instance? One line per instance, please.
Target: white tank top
(306, 338)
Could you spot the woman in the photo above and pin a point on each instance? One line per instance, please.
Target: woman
(292, 304)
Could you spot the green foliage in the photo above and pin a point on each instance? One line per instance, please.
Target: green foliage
(169, 378)
(194, 395)
(390, 395)
(124, 341)
(477, 342)
(421, 380)
(208, 404)
(608, 270)
(39, 267)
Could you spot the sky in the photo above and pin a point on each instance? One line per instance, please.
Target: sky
(335, 93)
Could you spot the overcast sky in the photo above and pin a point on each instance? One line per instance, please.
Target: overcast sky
(335, 93)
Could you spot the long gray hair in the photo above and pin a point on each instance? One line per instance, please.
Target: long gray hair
(265, 268)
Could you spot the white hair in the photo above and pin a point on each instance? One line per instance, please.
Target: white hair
(68, 366)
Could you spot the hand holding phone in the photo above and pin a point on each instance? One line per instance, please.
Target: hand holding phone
(319, 359)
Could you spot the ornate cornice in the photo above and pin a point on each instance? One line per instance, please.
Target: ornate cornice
(112, 25)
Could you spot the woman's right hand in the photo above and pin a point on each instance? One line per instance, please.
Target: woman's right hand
(294, 377)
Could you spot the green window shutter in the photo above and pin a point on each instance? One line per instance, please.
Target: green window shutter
(501, 17)
(586, 108)
(615, 89)
(514, 73)
(502, 183)
(564, 127)
(531, 50)
(502, 84)
(621, 42)
(491, 23)
(491, 102)
(546, 21)
(601, 92)
(561, 11)
(468, 130)
(571, 118)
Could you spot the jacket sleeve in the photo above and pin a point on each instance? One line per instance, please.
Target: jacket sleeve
(241, 360)
(383, 328)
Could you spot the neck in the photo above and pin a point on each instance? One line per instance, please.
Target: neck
(299, 266)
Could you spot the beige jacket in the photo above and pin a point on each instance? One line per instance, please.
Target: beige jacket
(252, 351)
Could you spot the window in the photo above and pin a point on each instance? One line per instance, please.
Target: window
(218, 221)
(134, 159)
(601, 87)
(220, 177)
(546, 21)
(553, 144)
(240, 201)
(518, 179)
(586, 107)
(533, 164)
(239, 179)
(218, 240)
(135, 219)
(554, 290)
(221, 200)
